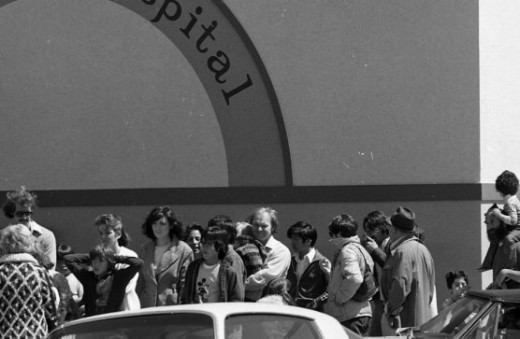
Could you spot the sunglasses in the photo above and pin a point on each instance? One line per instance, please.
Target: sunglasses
(20, 214)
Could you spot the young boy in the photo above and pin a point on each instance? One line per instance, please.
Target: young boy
(210, 278)
(309, 272)
(104, 286)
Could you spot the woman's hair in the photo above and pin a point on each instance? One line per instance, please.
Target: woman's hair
(103, 254)
(220, 239)
(16, 239)
(114, 222)
(452, 276)
(176, 229)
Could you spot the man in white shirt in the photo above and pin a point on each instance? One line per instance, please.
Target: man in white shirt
(278, 257)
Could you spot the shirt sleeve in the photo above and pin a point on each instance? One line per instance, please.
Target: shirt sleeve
(276, 265)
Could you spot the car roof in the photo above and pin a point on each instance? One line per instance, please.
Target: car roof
(506, 295)
(217, 309)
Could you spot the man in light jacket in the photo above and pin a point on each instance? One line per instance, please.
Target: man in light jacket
(348, 267)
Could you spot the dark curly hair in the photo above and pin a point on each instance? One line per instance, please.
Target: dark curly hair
(343, 225)
(452, 276)
(176, 227)
(507, 183)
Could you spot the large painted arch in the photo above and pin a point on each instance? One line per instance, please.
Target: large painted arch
(235, 80)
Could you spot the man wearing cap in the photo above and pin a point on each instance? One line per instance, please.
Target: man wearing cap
(408, 280)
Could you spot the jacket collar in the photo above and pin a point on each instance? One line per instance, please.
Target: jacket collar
(338, 243)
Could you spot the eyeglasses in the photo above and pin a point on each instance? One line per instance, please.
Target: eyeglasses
(20, 214)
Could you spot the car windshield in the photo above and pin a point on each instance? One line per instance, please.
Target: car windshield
(454, 317)
(162, 326)
(272, 326)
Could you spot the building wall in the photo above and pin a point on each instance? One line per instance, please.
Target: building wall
(95, 97)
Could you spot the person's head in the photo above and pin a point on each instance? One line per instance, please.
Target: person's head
(343, 226)
(265, 222)
(20, 205)
(219, 219)
(244, 234)
(62, 250)
(16, 239)
(214, 244)
(111, 231)
(376, 226)
(162, 222)
(279, 286)
(302, 236)
(457, 283)
(194, 234)
(102, 260)
(507, 183)
(403, 222)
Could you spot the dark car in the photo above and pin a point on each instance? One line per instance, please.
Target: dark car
(487, 314)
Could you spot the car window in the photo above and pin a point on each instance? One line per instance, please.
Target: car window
(270, 326)
(485, 326)
(163, 326)
(455, 317)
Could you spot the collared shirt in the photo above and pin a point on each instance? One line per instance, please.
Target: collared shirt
(303, 263)
(45, 240)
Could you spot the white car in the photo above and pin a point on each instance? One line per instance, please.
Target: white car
(234, 320)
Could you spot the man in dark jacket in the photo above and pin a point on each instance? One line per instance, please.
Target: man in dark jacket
(309, 272)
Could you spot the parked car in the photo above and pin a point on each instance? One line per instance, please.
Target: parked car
(208, 321)
(488, 314)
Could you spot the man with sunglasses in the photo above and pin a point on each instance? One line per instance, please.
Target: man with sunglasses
(20, 205)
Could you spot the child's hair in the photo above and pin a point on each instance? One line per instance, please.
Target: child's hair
(452, 276)
(103, 254)
(507, 183)
(279, 286)
(303, 230)
(115, 222)
(220, 239)
(176, 227)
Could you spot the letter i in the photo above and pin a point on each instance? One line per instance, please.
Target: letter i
(186, 30)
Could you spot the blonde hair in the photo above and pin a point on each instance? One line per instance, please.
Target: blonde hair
(16, 239)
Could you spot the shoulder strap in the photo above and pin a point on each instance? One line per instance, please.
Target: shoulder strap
(360, 250)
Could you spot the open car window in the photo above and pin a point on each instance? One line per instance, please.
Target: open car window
(270, 326)
(163, 326)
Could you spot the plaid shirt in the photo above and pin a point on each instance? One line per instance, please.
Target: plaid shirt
(253, 256)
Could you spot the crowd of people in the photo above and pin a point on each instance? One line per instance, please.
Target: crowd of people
(379, 278)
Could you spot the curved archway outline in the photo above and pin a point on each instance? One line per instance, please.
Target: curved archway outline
(236, 81)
